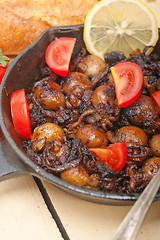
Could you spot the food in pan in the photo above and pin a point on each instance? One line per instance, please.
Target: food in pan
(20, 114)
(85, 137)
(84, 129)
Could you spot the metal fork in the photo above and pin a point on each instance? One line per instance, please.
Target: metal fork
(131, 224)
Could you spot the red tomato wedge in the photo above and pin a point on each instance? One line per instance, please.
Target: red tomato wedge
(128, 79)
(114, 155)
(20, 114)
(156, 97)
(58, 55)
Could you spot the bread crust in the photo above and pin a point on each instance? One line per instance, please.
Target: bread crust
(22, 21)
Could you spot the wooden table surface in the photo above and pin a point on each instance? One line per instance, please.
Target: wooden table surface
(26, 214)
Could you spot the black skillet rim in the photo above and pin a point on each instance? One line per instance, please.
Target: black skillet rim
(84, 193)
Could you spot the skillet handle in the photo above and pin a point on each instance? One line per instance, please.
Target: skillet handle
(10, 164)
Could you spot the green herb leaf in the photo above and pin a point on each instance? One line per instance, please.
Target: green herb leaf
(3, 59)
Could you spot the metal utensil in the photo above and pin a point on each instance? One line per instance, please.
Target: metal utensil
(131, 224)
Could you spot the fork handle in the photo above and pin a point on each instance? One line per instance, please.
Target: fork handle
(131, 224)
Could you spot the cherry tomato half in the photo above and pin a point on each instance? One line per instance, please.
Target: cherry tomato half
(128, 78)
(4, 63)
(20, 114)
(156, 97)
(114, 155)
(58, 55)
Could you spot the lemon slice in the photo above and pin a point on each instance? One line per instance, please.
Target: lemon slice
(119, 25)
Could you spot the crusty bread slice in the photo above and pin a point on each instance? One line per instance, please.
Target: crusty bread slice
(22, 21)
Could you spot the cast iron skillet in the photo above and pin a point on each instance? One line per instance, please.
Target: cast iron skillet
(22, 73)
